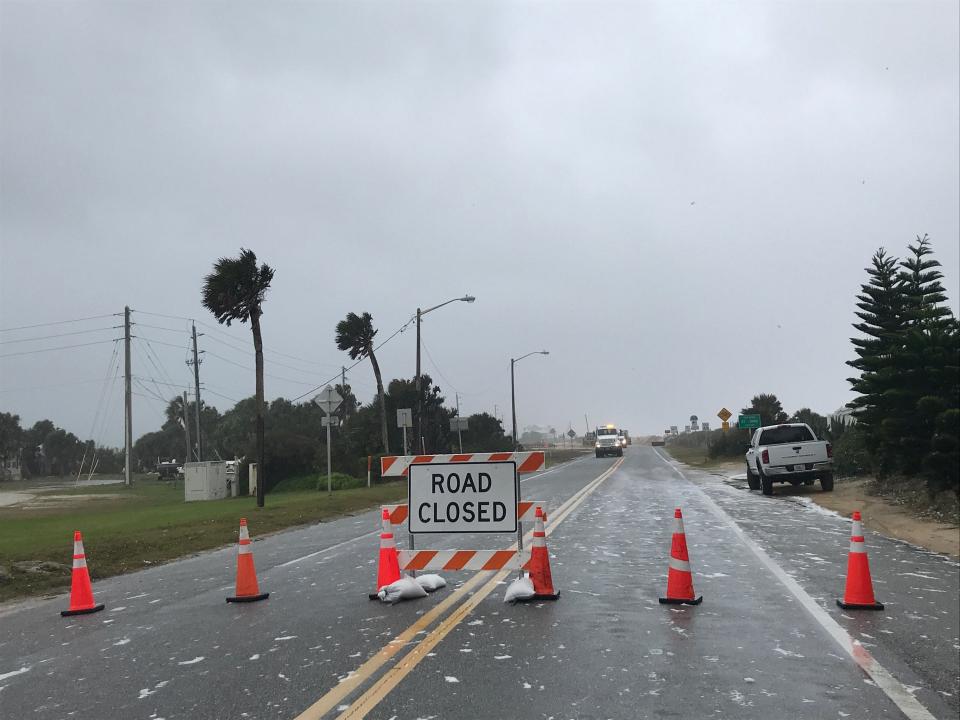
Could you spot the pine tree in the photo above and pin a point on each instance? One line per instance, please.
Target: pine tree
(880, 309)
(928, 361)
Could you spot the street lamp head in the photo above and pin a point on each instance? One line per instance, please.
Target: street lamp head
(468, 298)
(544, 352)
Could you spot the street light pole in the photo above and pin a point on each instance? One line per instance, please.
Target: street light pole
(513, 395)
(420, 314)
(513, 404)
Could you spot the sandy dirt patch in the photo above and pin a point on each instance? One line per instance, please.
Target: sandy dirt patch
(881, 515)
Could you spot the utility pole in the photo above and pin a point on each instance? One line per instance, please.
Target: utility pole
(421, 443)
(186, 427)
(196, 394)
(127, 400)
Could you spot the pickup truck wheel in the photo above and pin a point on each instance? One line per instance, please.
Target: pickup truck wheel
(620, 452)
(826, 482)
(598, 454)
(766, 484)
(753, 482)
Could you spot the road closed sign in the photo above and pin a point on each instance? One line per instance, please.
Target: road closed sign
(463, 497)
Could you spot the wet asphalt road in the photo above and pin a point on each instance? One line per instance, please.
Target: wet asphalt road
(169, 647)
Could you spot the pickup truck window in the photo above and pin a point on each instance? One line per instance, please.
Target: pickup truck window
(784, 435)
(601, 433)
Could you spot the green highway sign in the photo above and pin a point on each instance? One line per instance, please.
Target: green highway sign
(748, 421)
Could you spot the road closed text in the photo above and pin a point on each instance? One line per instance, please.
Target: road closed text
(463, 497)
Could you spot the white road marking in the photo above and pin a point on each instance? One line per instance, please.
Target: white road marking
(328, 549)
(21, 671)
(893, 688)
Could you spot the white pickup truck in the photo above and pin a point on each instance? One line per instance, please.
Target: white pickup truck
(788, 453)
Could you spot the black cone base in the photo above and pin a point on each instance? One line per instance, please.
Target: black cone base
(86, 611)
(859, 606)
(373, 596)
(248, 598)
(540, 596)
(681, 601)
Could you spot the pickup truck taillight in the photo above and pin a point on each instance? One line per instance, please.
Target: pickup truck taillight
(765, 457)
(829, 450)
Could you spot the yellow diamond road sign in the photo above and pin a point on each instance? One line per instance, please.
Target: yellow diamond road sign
(724, 414)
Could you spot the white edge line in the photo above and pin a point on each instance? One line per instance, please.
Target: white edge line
(326, 549)
(893, 688)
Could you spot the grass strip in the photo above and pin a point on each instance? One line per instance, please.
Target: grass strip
(127, 529)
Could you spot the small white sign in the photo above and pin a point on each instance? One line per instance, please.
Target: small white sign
(404, 417)
(479, 497)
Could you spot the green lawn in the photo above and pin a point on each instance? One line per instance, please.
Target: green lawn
(129, 529)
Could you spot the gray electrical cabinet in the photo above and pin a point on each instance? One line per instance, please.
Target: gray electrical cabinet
(205, 481)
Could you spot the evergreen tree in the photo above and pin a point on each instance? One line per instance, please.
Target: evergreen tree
(880, 309)
(928, 362)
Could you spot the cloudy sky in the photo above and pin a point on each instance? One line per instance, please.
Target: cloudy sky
(677, 200)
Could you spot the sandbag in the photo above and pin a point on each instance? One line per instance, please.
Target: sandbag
(406, 588)
(431, 582)
(520, 589)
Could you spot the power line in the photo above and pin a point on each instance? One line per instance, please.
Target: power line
(47, 337)
(357, 362)
(206, 388)
(245, 367)
(168, 317)
(52, 385)
(437, 367)
(60, 322)
(158, 327)
(250, 353)
(62, 347)
(158, 342)
(271, 351)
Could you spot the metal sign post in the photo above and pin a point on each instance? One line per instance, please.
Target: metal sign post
(328, 400)
(404, 421)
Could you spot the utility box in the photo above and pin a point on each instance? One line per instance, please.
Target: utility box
(205, 481)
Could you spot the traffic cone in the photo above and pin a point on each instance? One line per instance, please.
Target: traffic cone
(247, 588)
(858, 594)
(388, 565)
(81, 593)
(540, 562)
(679, 577)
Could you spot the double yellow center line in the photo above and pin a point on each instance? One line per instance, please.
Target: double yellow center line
(379, 690)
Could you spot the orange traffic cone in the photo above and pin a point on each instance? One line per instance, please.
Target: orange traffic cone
(247, 588)
(679, 577)
(388, 565)
(540, 562)
(858, 594)
(81, 593)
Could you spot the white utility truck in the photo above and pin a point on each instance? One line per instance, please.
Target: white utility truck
(608, 441)
(788, 453)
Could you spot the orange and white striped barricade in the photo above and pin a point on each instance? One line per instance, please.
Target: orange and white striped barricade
(463, 493)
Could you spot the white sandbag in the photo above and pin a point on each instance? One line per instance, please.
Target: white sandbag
(406, 588)
(431, 582)
(521, 589)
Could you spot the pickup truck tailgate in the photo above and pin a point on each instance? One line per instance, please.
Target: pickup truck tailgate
(804, 452)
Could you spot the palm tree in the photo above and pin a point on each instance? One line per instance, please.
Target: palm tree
(355, 335)
(234, 291)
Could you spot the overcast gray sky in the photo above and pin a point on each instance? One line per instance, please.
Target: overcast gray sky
(677, 200)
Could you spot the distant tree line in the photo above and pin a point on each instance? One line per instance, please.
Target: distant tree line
(295, 439)
(45, 449)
